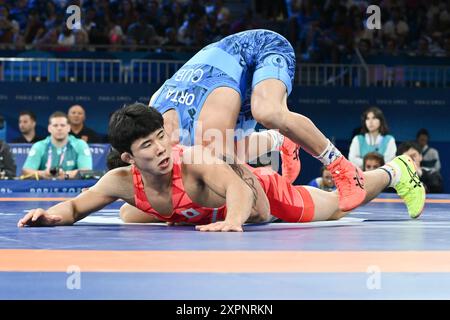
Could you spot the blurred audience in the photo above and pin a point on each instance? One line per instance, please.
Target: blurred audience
(321, 31)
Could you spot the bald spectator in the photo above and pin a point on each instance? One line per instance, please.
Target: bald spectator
(77, 116)
(27, 127)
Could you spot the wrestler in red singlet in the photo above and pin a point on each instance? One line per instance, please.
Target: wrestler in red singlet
(287, 202)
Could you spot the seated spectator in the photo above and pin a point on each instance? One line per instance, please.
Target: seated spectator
(374, 137)
(77, 116)
(432, 181)
(171, 39)
(8, 27)
(430, 164)
(142, 33)
(324, 182)
(430, 156)
(60, 155)
(7, 163)
(372, 161)
(396, 28)
(27, 127)
(66, 38)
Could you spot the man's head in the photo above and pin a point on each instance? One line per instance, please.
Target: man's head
(412, 149)
(422, 137)
(372, 161)
(137, 132)
(76, 115)
(27, 122)
(58, 126)
(327, 179)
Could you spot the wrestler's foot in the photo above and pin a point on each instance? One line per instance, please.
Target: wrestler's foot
(290, 160)
(409, 187)
(349, 182)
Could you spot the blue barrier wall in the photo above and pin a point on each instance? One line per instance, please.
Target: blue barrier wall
(336, 111)
(99, 155)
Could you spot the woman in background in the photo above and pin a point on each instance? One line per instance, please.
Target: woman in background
(374, 137)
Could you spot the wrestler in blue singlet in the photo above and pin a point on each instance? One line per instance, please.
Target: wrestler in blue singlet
(239, 61)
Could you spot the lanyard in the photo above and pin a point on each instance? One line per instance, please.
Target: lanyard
(49, 158)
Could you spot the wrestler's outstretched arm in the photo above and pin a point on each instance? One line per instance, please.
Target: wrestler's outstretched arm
(70, 211)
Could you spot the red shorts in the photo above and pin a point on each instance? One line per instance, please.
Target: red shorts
(287, 202)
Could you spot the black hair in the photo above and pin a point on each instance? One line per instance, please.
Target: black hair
(28, 113)
(378, 114)
(132, 122)
(422, 131)
(405, 146)
(114, 160)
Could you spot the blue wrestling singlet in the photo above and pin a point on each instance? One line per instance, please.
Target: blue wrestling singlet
(239, 61)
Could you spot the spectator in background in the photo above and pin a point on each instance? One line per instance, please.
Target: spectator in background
(372, 161)
(46, 40)
(423, 49)
(391, 48)
(430, 164)
(81, 38)
(432, 181)
(77, 116)
(187, 32)
(60, 155)
(127, 14)
(396, 28)
(8, 27)
(19, 12)
(7, 163)
(66, 38)
(27, 127)
(374, 137)
(142, 33)
(324, 182)
(171, 39)
(115, 34)
(33, 25)
(430, 156)
(51, 17)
